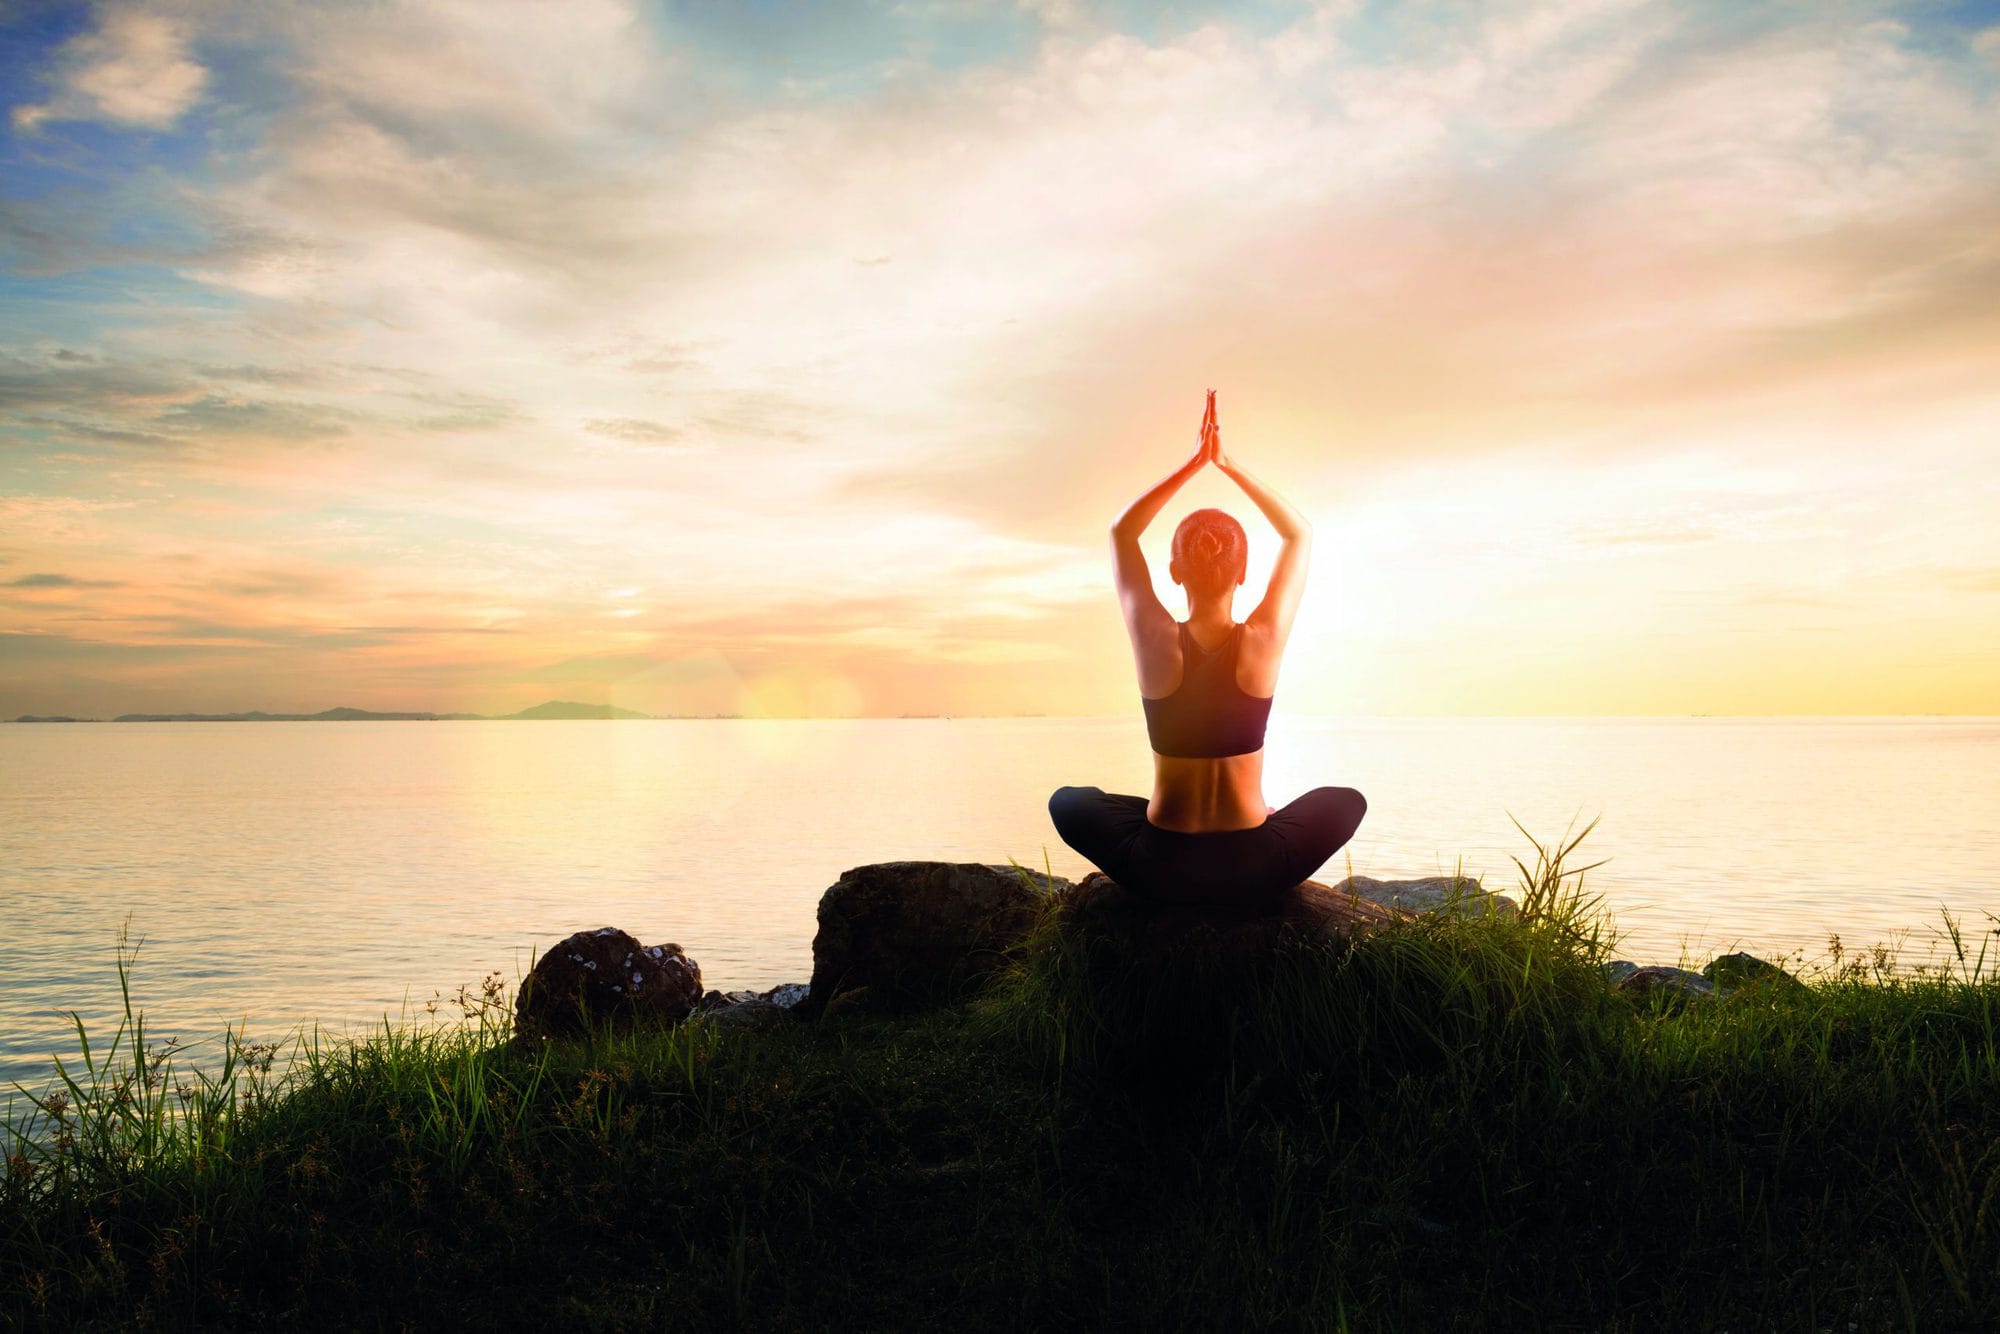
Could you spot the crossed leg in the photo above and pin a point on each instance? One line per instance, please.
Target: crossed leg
(1103, 826)
(1111, 830)
(1314, 827)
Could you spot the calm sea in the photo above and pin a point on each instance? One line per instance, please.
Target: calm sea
(285, 874)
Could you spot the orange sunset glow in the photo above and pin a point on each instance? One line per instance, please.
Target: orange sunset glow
(1627, 358)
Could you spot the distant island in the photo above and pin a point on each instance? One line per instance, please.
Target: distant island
(555, 708)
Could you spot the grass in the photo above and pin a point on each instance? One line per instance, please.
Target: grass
(1451, 1123)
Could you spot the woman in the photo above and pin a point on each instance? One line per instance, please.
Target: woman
(1206, 683)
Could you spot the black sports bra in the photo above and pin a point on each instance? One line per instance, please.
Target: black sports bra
(1209, 715)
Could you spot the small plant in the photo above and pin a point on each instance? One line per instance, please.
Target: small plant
(127, 1104)
(1552, 893)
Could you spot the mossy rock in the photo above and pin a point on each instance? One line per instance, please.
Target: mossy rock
(914, 933)
(1736, 972)
(1234, 935)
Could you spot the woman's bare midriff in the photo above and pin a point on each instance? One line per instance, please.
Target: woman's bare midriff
(1207, 796)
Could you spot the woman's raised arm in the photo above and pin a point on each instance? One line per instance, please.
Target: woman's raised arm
(1288, 577)
(1144, 615)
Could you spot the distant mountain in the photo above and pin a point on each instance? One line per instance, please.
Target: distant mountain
(555, 708)
(49, 718)
(342, 715)
(562, 708)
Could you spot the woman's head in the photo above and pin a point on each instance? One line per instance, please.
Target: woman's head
(1211, 553)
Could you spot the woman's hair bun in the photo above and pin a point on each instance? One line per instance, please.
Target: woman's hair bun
(1212, 550)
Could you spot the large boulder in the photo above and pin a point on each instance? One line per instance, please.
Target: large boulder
(921, 930)
(1168, 996)
(1145, 927)
(606, 978)
(1438, 893)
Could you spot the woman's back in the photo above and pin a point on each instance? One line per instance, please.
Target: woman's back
(1207, 728)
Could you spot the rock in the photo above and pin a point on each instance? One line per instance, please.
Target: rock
(751, 1009)
(755, 1014)
(1735, 972)
(606, 977)
(920, 930)
(1726, 976)
(718, 1000)
(1162, 994)
(1671, 984)
(851, 1001)
(1440, 893)
(787, 995)
(1310, 910)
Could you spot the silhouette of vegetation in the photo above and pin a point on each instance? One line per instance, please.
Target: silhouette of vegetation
(1449, 1123)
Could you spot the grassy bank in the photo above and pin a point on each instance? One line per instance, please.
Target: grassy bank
(1453, 1123)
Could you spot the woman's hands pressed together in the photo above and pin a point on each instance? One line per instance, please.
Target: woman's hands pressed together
(1211, 437)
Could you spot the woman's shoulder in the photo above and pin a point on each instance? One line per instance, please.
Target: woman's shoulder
(1258, 655)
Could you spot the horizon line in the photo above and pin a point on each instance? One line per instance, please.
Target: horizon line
(444, 716)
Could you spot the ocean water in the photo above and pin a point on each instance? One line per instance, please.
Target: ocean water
(282, 875)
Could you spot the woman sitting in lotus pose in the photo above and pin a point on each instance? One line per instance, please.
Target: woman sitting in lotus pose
(1206, 683)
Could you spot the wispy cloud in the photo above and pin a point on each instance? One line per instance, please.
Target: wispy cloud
(636, 429)
(1987, 44)
(1968, 578)
(57, 581)
(133, 68)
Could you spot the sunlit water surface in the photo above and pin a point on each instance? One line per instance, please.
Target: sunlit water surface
(285, 874)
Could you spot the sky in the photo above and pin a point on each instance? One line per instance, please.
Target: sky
(783, 359)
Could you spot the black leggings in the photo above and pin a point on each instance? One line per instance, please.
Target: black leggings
(1246, 866)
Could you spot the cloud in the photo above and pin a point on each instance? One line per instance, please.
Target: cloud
(278, 583)
(214, 415)
(1813, 601)
(460, 411)
(143, 398)
(1969, 579)
(66, 380)
(1986, 44)
(132, 69)
(58, 581)
(17, 649)
(635, 429)
(426, 630)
